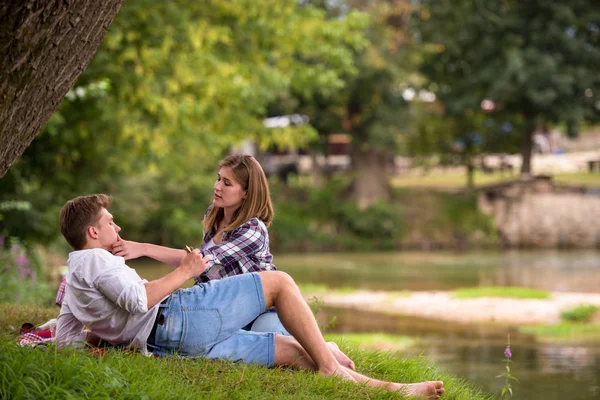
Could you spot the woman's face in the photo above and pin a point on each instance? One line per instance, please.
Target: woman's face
(227, 192)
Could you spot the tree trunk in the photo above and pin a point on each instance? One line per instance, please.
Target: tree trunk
(45, 46)
(470, 175)
(370, 175)
(316, 171)
(527, 146)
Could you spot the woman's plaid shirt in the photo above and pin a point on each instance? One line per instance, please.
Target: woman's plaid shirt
(243, 250)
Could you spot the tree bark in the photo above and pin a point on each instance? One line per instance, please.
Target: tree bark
(527, 146)
(45, 46)
(470, 174)
(370, 169)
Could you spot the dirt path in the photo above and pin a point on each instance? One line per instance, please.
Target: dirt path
(442, 306)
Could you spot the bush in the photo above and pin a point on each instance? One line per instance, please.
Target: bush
(22, 274)
(580, 313)
(323, 219)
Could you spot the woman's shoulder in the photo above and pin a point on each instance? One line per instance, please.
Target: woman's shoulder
(253, 224)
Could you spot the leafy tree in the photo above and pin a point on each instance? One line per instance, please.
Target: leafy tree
(371, 108)
(457, 139)
(535, 61)
(172, 87)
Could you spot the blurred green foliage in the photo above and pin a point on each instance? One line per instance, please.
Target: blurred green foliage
(370, 108)
(534, 61)
(176, 84)
(325, 219)
(23, 276)
(173, 86)
(580, 313)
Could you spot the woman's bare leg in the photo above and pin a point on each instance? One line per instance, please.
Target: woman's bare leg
(290, 353)
(281, 291)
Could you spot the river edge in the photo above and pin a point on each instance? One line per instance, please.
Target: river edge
(442, 306)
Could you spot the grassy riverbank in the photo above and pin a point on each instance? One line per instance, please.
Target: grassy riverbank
(48, 373)
(548, 316)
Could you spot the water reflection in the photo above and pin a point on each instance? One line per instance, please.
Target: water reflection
(576, 271)
(545, 371)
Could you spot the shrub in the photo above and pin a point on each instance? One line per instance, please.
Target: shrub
(22, 274)
(580, 313)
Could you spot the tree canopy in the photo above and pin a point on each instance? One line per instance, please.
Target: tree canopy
(534, 60)
(171, 88)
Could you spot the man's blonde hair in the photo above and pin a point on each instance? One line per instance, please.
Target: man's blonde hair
(250, 175)
(80, 213)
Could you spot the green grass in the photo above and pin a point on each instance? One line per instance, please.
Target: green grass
(580, 313)
(373, 341)
(449, 180)
(580, 178)
(512, 292)
(45, 372)
(458, 180)
(565, 331)
(317, 288)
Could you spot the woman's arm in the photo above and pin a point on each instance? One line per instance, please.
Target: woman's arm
(129, 250)
(246, 249)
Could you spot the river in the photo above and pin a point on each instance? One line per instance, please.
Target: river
(545, 370)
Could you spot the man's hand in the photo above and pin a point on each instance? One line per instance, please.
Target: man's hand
(193, 264)
(128, 249)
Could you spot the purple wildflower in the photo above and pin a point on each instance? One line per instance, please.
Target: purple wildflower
(33, 278)
(21, 260)
(22, 264)
(507, 353)
(2, 239)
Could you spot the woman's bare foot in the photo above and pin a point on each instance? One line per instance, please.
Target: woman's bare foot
(428, 390)
(343, 359)
(339, 372)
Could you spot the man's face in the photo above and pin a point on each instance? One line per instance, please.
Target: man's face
(107, 230)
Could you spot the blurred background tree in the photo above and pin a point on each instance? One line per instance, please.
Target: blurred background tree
(452, 140)
(172, 87)
(533, 61)
(370, 108)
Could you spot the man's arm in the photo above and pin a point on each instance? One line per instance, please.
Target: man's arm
(193, 264)
(125, 288)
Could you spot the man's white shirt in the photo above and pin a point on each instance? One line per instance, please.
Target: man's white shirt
(107, 297)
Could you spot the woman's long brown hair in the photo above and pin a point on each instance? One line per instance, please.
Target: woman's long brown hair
(250, 175)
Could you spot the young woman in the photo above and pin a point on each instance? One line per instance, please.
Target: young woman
(236, 240)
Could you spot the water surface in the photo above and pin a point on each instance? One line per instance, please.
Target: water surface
(546, 371)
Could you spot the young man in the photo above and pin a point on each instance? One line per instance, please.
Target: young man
(107, 298)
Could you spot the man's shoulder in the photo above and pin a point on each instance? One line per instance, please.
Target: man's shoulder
(99, 257)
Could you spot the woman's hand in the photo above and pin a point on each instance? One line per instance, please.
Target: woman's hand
(128, 249)
(193, 264)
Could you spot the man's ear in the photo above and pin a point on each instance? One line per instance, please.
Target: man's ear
(92, 231)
